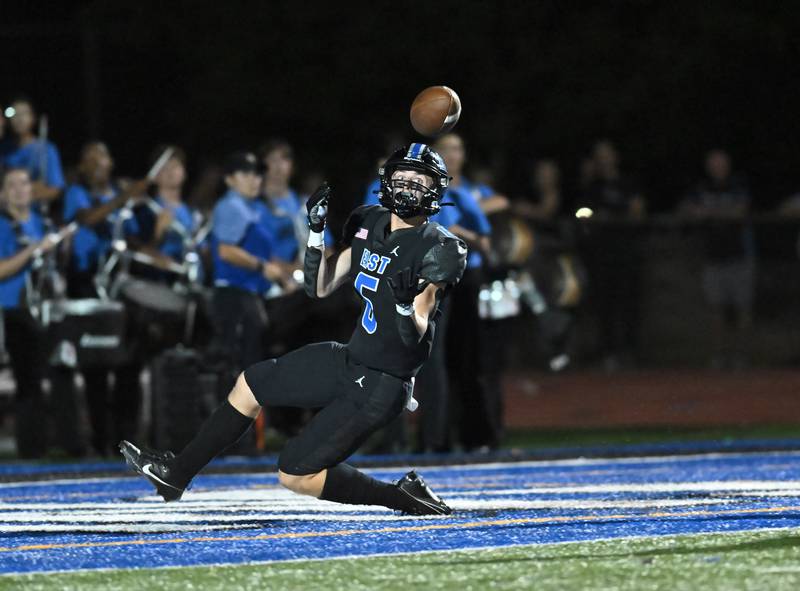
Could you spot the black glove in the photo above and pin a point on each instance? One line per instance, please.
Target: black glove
(317, 207)
(406, 286)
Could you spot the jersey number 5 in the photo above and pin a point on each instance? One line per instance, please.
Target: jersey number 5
(367, 282)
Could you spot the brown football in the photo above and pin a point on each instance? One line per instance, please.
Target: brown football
(435, 111)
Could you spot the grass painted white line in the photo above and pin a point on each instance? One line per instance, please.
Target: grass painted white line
(229, 514)
(577, 462)
(581, 462)
(657, 487)
(471, 550)
(142, 528)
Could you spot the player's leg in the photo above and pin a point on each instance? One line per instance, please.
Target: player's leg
(305, 378)
(311, 463)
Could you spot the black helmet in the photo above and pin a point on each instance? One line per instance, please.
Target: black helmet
(404, 199)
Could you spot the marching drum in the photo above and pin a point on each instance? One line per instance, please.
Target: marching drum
(157, 313)
(85, 333)
(532, 266)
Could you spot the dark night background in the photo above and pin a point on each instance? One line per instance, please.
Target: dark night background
(666, 80)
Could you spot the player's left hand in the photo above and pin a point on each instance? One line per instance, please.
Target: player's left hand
(317, 207)
(406, 285)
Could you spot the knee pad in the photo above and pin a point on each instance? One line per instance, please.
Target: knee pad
(259, 377)
(290, 460)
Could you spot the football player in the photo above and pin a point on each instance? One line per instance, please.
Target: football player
(401, 266)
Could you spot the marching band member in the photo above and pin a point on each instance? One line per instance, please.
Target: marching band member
(22, 236)
(165, 228)
(38, 156)
(93, 203)
(242, 267)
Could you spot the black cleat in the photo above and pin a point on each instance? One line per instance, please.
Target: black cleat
(153, 465)
(425, 502)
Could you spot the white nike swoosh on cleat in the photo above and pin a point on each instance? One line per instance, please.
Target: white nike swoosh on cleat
(146, 471)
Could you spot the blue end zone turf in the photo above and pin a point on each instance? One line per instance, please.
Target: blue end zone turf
(116, 522)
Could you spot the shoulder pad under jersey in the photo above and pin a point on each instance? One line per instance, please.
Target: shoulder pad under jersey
(445, 260)
(356, 220)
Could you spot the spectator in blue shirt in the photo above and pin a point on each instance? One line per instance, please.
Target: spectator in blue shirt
(22, 235)
(166, 230)
(93, 202)
(39, 157)
(472, 225)
(242, 250)
(282, 209)
(478, 416)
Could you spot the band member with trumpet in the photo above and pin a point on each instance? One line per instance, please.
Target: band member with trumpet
(34, 153)
(94, 203)
(22, 238)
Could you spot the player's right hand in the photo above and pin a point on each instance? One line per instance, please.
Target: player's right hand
(317, 207)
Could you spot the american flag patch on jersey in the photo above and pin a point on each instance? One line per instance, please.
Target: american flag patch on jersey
(362, 233)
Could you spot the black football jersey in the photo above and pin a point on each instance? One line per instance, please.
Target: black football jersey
(377, 254)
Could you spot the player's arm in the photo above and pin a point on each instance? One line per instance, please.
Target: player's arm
(323, 274)
(416, 300)
(416, 295)
(94, 215)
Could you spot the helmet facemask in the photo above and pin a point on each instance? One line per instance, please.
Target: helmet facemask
(409, 198)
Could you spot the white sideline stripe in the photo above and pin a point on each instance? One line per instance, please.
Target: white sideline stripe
(709, 486)
(118, 528)
(407, 553)
(246, 514)
(601, 461)
(278, 498)
(462, 467)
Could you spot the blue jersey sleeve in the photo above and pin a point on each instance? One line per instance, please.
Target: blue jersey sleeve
(131, 226)
(485, 191)
(55, 174)
(8, 240)
(472, 215)
(75, 199)
(448, 216)
(371, 197)
(229, 224)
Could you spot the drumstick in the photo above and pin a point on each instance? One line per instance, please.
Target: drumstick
(162, 160)
(157, 208)
(57, 237)
(66, 231)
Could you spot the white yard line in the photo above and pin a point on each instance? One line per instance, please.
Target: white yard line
(462, 467)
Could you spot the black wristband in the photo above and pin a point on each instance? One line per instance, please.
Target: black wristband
(407, 328)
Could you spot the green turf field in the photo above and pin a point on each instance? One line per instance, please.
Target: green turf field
(768, 560)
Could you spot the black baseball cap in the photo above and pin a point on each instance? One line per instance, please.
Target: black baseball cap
(242, 161)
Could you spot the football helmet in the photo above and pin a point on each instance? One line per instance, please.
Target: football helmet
(407, 198)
